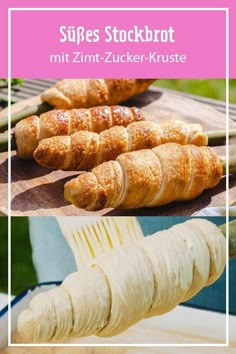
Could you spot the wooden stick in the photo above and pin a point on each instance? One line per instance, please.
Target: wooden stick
(3, 142)
(232, 237)
(218, 137)
(26, 112)
(232, 165)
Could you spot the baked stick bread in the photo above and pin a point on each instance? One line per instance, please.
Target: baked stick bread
(29, 131)
(147, 178)
(85, 93)
(102, 300)
(84, 150)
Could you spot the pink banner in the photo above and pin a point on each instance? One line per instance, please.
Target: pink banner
(160, 43)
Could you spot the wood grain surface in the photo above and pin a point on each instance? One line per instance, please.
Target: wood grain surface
(39, 191)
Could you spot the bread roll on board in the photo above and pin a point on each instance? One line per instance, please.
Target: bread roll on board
(132, 282)
(29, 131)
(85, 93)
(147, 178)
(84, 150)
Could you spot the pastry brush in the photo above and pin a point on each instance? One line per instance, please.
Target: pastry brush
(90, 236)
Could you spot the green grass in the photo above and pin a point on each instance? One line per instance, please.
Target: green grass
(23, 273)
(208, 88)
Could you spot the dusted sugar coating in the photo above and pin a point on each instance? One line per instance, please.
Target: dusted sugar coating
(84, 150)
(27, 136)
(30, 131)
(147, 178)
(129, 283)
(85, 93)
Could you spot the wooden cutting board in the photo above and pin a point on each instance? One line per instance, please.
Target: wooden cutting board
(39, 191)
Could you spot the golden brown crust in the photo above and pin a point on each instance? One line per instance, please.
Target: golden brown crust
(122, 89)
(85, 93)
(90, 148)
(196, 136)
(53, 123)
(144, 135)
(80, 119)
(199, 172)
(67, 122)
(122, 115)
(175, 167)
(182, 133)
(142, 177)
(100, 118)
(216, 168)
(95, 190)
(86, 153)
(83, 191)
(113, 142)
(53, 152)
(149, 177)
(96, 119)
(176, 131)
(79, 149)
(110, 182)
(27, 136)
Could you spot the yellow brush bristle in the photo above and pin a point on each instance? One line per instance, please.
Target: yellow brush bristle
(88, 237)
